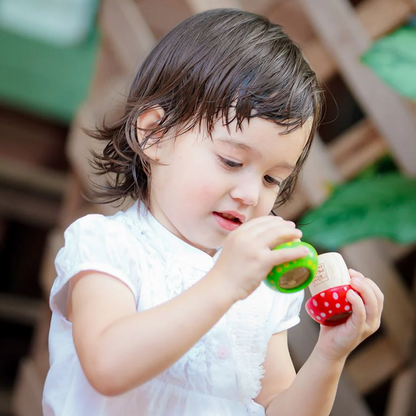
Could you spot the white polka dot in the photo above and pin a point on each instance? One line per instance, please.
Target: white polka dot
(335, 295)
(323, 314)
(315, 303)
(318, 317)
(326, 304)
(345, 288)
(330, 312)
(311, 311)
(347, 307)
(337, 305)
(323, 294)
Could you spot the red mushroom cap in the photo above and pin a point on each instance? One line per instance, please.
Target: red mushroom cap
(330, 307)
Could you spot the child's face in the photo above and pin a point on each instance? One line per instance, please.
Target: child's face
(205, 184)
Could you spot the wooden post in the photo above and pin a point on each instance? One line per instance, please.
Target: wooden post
(319, 174)
(198, 6)
(399, 311)
(401, 393)
(127, 31)
(376, 16)
(340, 30)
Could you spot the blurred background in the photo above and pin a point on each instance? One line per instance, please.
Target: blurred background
(64, 64)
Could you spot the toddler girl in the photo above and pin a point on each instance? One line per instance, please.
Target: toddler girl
(160, 310)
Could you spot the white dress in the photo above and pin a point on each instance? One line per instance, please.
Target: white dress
(219, 376)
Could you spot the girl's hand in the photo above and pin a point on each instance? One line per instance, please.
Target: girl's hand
(338, 341)
(247, 256)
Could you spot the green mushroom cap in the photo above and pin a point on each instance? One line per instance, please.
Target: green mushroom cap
(294, 275)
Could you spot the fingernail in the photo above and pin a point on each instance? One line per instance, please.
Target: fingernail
(352, 293)
(356, 274)
(357, 280)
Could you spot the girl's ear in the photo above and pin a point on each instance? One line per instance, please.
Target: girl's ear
(145, 122)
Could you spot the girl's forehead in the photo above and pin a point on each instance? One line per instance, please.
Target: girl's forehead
(256, 128)
(263, 139)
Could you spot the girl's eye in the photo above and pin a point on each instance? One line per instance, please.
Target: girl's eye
(230, 163)
(268, 179)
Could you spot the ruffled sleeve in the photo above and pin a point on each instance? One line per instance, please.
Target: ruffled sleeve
(96, 243)
(286, 310)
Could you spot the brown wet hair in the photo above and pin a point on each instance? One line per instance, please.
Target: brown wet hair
(220, 64)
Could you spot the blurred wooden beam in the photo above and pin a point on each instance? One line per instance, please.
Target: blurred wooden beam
(399, 315)
(319, 174)
(27, 395)
(339, 28)
(29, 207)
(364, 368)
(127, 32)
(198, 6)
(402, 393)
(377, 17)
(357, 148)
(49, 182)
(23, 310)
(5, 401)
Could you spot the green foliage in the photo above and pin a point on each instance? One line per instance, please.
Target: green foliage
(382, 205)
(393, 59)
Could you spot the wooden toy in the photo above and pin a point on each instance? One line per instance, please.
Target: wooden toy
(294, 275)
(329, 305)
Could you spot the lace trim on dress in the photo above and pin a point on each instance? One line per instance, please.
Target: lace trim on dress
(249, 328)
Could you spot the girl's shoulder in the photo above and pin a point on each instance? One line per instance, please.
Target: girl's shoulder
(122, 240)
(113, 245)
(119, 229)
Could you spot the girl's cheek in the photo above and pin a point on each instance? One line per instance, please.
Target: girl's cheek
(265, 205)
(206, 193)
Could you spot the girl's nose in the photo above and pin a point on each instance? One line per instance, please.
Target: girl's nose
(247, 192)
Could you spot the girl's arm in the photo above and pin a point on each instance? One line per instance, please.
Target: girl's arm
(312, 391)
(119, 348)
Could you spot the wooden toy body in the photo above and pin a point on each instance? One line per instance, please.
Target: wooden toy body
(329, 304)
(332, 271)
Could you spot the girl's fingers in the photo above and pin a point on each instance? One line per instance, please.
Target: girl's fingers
(359, 314)
(272, 231)
(287, 254)
(376, 290)
(285, 235)
(378, 293)
(370, 303)
(275, 234)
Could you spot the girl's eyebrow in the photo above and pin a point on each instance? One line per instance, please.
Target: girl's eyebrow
(237, 144)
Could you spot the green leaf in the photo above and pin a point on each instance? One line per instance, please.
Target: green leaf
(393, 59)
(383, 206)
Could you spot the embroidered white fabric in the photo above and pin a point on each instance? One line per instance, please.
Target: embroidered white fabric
(220, 375)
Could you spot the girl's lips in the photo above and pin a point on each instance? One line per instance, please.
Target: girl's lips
(226, 223)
